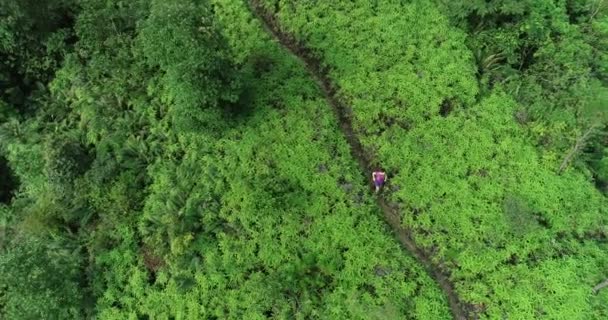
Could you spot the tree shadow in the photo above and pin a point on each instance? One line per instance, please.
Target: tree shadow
(9, 183)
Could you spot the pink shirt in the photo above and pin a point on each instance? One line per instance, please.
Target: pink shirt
(379, 176)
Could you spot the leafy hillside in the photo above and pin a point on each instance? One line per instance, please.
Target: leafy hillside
(245, 208)
(518, 239)
(170, 160)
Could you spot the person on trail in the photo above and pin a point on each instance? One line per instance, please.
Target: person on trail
(379, 178)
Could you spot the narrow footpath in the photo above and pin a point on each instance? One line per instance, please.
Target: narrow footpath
(391, 216)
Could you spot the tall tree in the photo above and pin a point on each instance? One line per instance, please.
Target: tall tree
(40, 279)
(198, 74)
(592, 119)
(34, 37)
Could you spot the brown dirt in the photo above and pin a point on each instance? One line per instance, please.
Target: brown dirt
(392, 217)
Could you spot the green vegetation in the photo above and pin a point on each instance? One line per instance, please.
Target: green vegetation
(169, 197)
(169, 160)
(479, 188)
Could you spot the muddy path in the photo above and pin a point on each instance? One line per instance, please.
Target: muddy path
(391, 215)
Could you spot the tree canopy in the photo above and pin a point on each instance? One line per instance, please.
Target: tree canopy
(172, 159)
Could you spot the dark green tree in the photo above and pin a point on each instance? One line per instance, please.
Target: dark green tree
(34, 37)
(198, 75)
(66, 159)
(40, 279)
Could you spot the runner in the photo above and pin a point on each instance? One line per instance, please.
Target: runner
(379, 178)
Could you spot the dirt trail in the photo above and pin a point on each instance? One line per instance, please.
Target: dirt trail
(392, 217)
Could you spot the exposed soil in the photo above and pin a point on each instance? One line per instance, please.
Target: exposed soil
(392, 217)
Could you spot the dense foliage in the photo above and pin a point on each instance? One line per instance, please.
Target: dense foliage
(168, 159)
(201, 177)
(475, 133)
